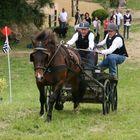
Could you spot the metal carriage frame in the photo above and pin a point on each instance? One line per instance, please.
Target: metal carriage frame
(100, 89)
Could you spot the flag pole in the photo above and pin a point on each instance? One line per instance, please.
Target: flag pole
(9, 68)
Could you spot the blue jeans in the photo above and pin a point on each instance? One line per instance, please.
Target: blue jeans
(63, 25)
(111, 61)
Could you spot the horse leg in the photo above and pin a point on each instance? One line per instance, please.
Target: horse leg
(51, 102)
(53, 99)
(42, 99)
(75, 97)
(78, 92)
(59, 104)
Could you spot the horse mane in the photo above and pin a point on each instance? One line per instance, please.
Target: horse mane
(47, 35)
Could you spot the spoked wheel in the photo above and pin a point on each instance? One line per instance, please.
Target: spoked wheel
(114, 97)
(106, 97)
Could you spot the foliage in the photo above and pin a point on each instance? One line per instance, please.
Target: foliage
(114, 3)
(13, 11)
(3, 85)
(101, 14)
(106, 3)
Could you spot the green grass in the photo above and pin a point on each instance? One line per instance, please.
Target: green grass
(20, 119)
(135, 28)
(133, 4)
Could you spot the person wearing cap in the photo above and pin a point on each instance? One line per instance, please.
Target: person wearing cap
(115, 53)
(84, 40)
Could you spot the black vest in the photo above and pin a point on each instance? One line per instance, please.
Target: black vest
(120, 51)
(82, 43)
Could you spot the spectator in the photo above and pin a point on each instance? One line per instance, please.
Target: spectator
(97, 26)
(87, 18)
(127, 23)
(113, 17)
(105, 24)
(77, 17)
(63, 16)
(119, 19)
(82, 18)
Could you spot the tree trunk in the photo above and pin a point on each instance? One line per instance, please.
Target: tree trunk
(122, 3)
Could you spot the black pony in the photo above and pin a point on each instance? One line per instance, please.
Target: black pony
(55, 65)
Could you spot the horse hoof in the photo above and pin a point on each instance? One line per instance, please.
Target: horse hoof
(49, 118)
(77, 109)
(41, 113)
(59, 106)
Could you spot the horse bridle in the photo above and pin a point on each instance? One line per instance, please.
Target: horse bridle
(44, 50)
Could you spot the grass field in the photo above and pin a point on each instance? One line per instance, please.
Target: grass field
(133, 4)
(20, 119)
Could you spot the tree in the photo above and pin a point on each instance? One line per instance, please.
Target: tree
(19, 11)
(113, 3)
(117, 3)
(122, 3)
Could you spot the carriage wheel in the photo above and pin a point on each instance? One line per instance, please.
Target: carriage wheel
(106, 97)
(114, 98)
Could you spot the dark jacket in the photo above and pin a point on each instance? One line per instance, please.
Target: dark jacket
(120, 51)
(82, 43)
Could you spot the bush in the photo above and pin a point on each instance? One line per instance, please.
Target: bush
(101, 14)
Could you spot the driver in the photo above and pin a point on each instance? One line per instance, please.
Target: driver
(84, 40)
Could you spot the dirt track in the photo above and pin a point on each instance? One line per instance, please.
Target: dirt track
(83, 6)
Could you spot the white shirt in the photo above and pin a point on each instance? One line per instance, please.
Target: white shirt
(75, 38)
(117, 43)
(127, 21)
(63, 16)
(119, 17)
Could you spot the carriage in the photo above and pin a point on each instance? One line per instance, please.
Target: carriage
(60, 77)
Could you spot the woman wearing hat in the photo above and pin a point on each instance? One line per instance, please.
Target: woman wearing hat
(115, 53)
(84, 40)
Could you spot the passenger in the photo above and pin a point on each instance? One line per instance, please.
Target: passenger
(115, 53)
(84, 40)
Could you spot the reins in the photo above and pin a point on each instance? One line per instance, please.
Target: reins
(53, 56)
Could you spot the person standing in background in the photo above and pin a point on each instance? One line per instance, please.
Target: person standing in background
(97, 25)
(81, 19)
(77, 17)
(105, 24)
(119, 19)
(127, 23)
(87, 18)
(113, 17)
(63, 18)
